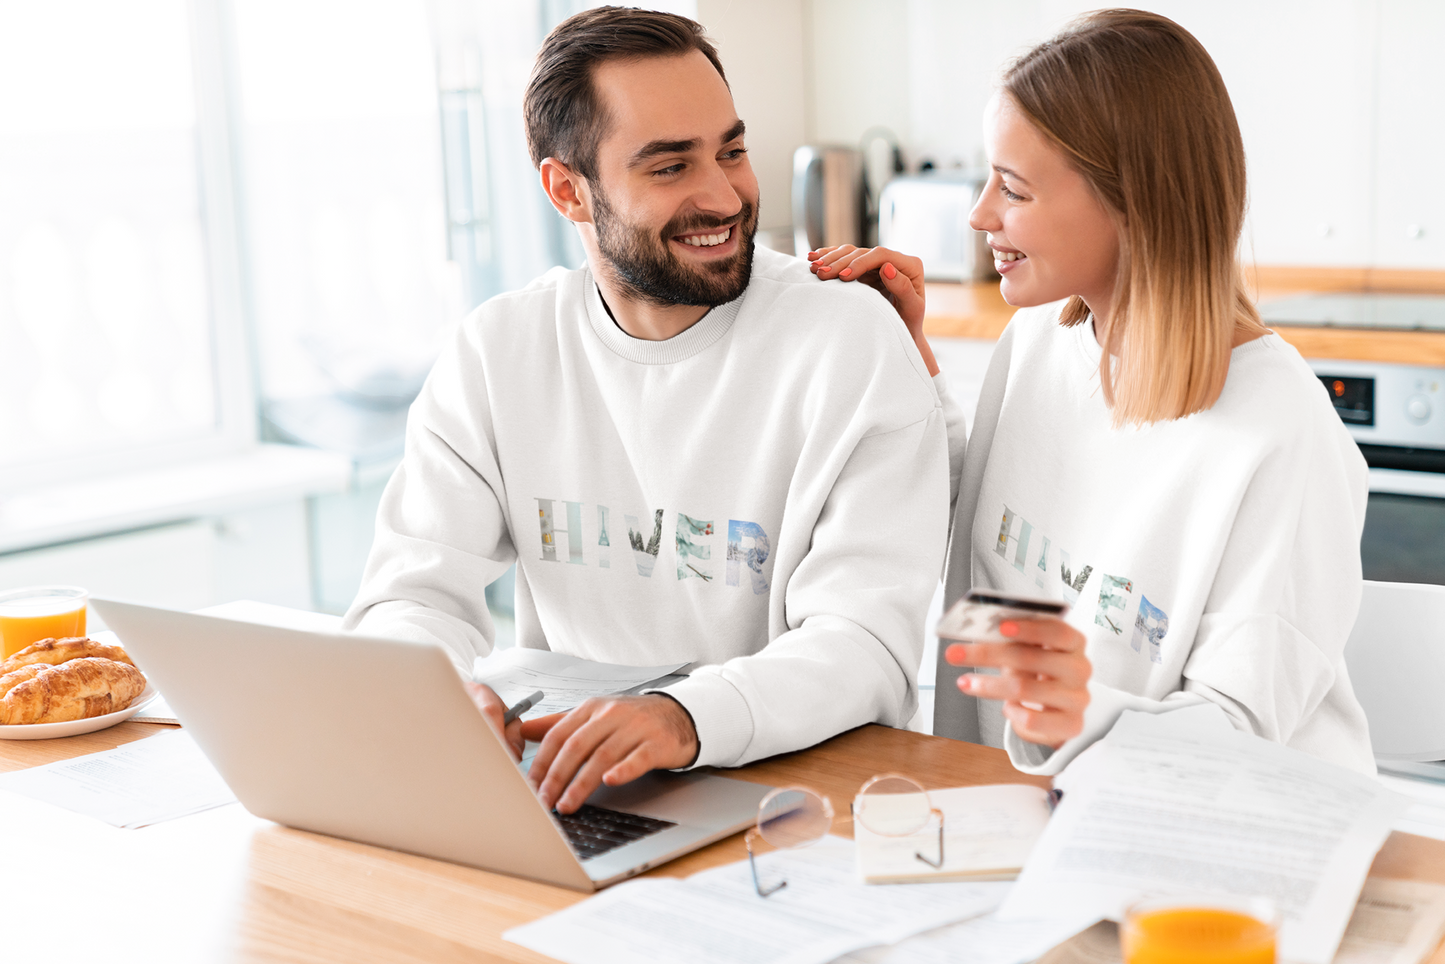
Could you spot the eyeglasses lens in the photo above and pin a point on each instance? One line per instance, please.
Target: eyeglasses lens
(892, 806)
(793, 818)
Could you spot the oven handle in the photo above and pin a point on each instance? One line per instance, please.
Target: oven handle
(1429, 485)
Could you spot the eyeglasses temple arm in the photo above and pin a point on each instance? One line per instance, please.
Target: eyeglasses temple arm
(935, 865)
(753, 865)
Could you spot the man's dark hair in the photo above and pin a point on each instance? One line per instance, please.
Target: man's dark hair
(561, 110)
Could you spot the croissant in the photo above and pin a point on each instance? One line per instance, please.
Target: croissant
(14, 678)
(56, 651)
(75, 690)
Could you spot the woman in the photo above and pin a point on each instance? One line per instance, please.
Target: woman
(1145, 448)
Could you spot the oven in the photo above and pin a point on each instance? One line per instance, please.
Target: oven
(1394, 409)
(1396, 414)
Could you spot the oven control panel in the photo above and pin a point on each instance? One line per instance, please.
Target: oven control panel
(1386, 404)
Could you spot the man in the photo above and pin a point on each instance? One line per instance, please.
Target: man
(692, 450)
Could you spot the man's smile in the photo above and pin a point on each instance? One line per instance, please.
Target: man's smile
(714, 242)
(705, 240)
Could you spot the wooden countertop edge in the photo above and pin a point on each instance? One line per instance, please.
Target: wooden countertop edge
(978, 311)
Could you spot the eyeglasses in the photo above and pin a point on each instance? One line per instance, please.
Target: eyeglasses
(890, 805)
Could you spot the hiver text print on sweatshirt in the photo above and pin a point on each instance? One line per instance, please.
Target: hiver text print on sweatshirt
(1151, 624)
(747, 543)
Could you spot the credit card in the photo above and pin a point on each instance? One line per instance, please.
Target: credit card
(976, 617)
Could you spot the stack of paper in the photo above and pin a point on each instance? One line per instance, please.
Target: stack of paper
(1395, 922)
(717, 917)
(1426, 816)
(1183, 803)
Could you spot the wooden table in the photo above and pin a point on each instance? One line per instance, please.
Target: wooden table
(978, 311)
(223, 886)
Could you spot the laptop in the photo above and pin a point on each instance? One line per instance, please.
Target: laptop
(378, 741)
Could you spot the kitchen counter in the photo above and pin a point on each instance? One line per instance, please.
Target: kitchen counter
(979, 311)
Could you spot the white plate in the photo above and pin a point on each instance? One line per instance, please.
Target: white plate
(49, 731)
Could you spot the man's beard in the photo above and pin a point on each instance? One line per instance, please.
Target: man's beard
(645, 265)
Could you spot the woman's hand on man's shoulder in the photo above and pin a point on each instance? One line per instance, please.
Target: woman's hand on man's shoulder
(898, 276)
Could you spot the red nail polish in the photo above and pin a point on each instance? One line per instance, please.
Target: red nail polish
(890, 272)
(1008, 628)
(845, 272)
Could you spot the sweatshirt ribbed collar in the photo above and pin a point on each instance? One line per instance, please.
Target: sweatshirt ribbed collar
(708, 329)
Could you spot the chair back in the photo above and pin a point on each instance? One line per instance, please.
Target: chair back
(1396, 659)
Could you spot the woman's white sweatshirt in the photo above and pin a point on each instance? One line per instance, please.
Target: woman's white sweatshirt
(1214, 557)
(763, 496)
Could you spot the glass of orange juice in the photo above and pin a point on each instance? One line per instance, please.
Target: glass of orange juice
(1199, 931)
(40, 612)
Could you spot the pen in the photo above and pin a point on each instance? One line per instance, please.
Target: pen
(522, 706)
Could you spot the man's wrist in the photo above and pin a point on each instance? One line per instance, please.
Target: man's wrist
(686, 728)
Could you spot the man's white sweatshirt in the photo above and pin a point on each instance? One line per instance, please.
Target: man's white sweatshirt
(1211, 558)
(764, 496)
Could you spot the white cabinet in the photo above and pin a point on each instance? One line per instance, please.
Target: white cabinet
(1341, 104)
(259, 553)
(1300, 75)
(1410, 136)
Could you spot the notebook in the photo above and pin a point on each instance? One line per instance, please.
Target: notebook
(988, 833)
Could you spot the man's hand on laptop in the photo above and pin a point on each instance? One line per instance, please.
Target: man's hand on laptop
(612, 740)
(494, 709)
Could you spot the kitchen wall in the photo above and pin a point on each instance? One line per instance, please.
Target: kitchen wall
(764, 49)
(1341, 102)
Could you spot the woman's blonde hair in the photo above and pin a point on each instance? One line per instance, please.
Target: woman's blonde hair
(1139, 108)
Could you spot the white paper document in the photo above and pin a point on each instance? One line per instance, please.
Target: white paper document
(1160, 808)
(149, 781)
(566, 680)
(716, 916)
(1395, 922)
(983, 940)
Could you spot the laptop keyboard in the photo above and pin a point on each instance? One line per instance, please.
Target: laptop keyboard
(595, 830)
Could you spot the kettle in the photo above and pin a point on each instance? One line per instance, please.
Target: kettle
(828, 197)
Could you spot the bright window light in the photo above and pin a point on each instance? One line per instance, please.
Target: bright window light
(342, 180)
(106, 338)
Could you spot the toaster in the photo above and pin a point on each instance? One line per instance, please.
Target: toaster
(926, 215)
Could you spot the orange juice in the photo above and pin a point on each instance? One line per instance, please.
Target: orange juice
(1196, 935)
(30, 615)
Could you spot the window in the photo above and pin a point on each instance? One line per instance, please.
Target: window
(342, 178)
(113, 322)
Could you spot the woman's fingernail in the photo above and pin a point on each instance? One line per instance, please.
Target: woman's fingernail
(965, 682)
(955, 654)
(890, 272)
(1008, 628)
(845, 272)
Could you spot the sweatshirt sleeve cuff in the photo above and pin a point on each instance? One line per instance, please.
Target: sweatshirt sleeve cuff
(719, 713)
(1105, 705)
